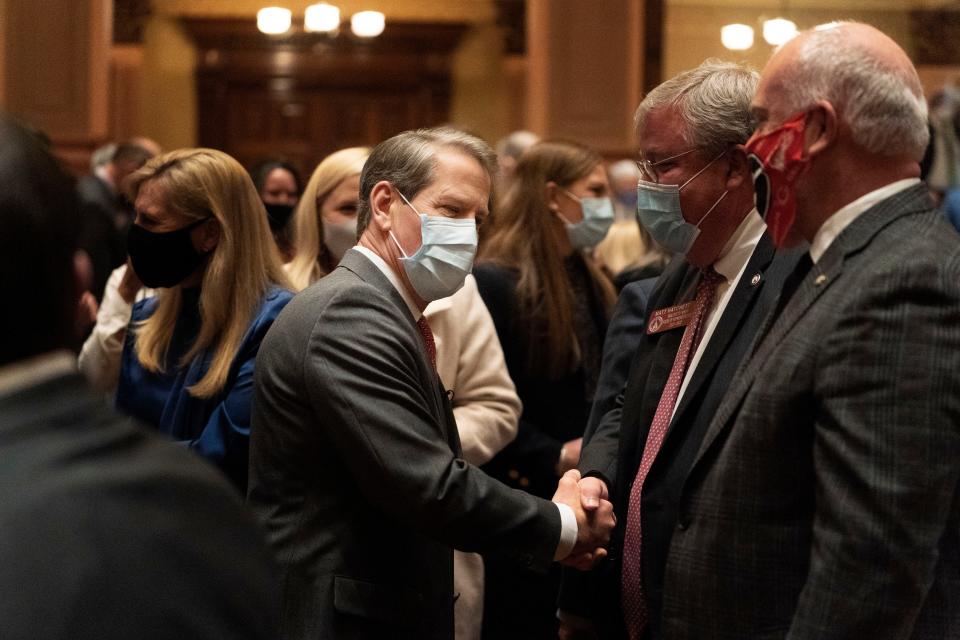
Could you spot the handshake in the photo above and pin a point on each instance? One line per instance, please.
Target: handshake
(595, 519)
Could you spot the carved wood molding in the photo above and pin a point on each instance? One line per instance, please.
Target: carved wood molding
(936, 37)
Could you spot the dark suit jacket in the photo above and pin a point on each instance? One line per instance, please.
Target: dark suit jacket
(354, 469)
(627, 326)
(823, 500)
(107, 533)
(616, 447)
(555, 409)
(105, 219)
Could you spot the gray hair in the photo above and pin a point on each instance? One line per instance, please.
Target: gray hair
(713, 101)
(407, 161)
(883, 106)
(514, 144)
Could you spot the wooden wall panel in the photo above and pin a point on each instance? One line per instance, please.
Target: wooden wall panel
(56, 70)
(303, 96)
(586, 70)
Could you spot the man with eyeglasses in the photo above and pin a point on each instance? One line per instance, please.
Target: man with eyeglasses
(696, 198)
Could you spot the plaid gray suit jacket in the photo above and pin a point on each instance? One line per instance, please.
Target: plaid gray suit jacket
(824, 501)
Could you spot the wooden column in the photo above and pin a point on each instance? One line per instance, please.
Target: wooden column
(55, 70)
(588, 65)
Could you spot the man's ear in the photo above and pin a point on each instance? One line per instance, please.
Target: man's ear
(551, 193)
(382, 197)
(821, 128)
(738, 168)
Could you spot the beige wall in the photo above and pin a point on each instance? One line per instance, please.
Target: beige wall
(168, 103)
(693, 31)
(488, 90)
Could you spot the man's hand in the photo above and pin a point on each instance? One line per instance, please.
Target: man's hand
(87, 308)
(569, 456)
(130, 284)
(592, 491)
(593, 528)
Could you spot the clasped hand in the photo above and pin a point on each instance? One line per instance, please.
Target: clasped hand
(595, 519)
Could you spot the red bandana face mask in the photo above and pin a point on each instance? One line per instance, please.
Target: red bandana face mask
(776, 161)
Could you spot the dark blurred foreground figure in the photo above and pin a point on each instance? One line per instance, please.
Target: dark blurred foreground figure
(105, 532)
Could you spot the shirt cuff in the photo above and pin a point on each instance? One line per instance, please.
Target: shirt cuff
(568, 531)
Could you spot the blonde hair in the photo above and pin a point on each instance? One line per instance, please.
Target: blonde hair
(628, 246)
(312, 260)
(521, 239)
(203, 183)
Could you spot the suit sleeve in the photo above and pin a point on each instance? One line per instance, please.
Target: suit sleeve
(361, 371)
(602, 437)
(886, 446)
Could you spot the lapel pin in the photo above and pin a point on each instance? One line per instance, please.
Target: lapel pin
(755, 280)
(820, 280)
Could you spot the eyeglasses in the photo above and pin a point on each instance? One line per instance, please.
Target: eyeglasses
(649, 171)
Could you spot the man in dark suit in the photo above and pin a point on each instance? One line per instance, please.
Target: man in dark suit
(105, 531)
(823, 500)
(106, 213)
(691, 130)
(355, 464)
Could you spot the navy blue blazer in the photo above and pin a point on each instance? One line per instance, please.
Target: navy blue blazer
(217, 428)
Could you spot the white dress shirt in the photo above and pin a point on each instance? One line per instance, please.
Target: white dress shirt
(731, 263)
(568, 521)
(835, 224)
(99, 358)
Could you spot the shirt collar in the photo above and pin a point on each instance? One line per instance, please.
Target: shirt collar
(736, 253)
(101, 172)
(394, 279)
(31, 372)
(835, 224)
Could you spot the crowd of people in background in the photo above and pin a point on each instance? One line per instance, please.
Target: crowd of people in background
(438, 391)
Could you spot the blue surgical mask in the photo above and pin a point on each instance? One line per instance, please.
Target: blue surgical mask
(597, 218)
(445, 257)
(659, 212)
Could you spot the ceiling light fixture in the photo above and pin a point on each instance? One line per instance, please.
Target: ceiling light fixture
(779, 31)
(274, 20)
(321, 18)
(737, 37)
(367, 24)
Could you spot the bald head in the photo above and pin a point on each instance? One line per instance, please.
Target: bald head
(864, 74)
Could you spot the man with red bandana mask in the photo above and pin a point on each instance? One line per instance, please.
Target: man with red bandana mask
(823, 500)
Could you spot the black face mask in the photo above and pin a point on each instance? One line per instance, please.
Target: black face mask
(163, 259)
(278, 215)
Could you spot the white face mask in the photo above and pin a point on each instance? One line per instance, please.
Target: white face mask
(597, 218)
(340, 236)
(445, 256)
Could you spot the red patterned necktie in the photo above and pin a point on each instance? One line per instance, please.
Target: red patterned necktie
(428, 342)
(632, 598)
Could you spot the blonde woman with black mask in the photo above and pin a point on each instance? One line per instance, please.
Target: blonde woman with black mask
(200, 237)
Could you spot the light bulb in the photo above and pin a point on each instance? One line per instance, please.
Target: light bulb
(737, 37)
(779, 31)
(322, 17)
(273, 20)
(367, 24)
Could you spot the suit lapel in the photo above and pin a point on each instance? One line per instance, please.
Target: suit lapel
(821, 277)
(366, 270)
(643, 393)
(740, 302)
